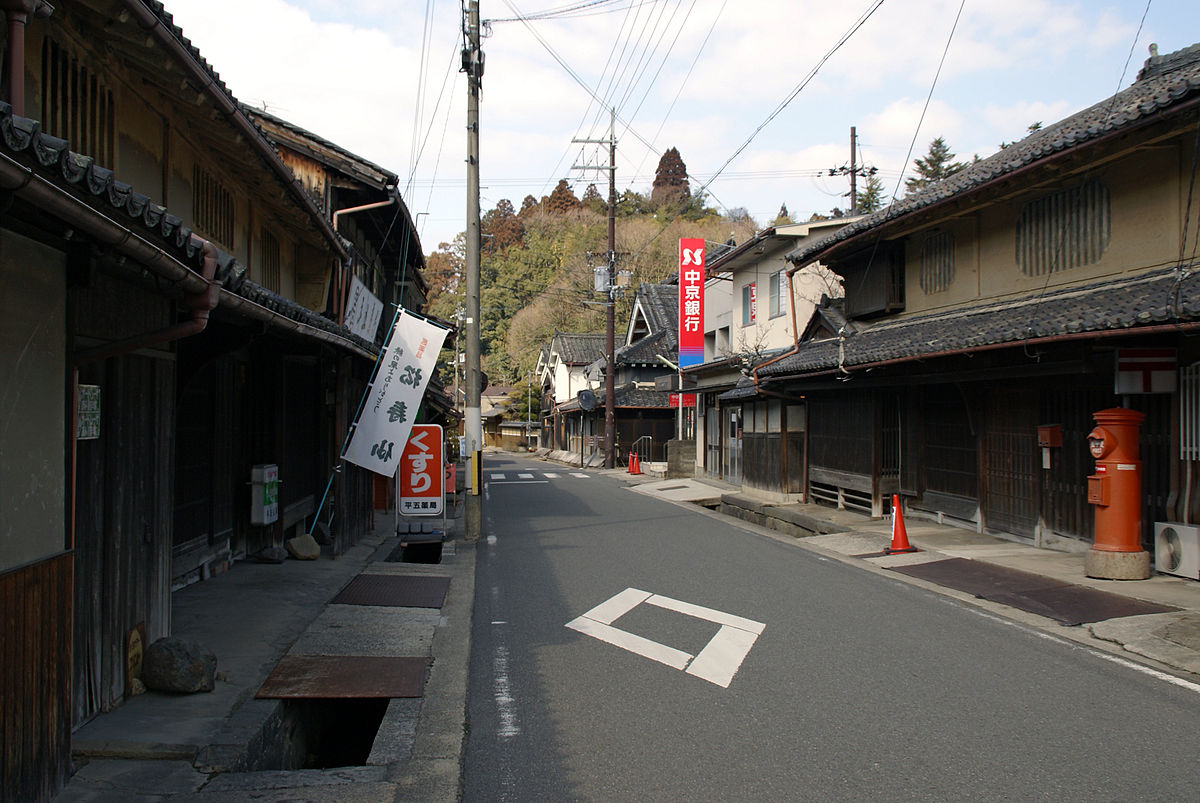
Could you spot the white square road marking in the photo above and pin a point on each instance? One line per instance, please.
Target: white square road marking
(717, 663)
(579, 474)
(550, 476)
(525, 476)
(497, 476)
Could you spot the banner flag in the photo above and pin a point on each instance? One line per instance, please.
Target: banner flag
(391, 401)
(691, 301)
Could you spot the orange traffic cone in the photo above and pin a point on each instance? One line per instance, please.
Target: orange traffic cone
(899, 536)
(635, 464)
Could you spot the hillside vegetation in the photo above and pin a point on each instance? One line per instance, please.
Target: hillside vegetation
(537, 264)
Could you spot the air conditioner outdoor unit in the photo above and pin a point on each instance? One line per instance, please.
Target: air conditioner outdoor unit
(1177, 549)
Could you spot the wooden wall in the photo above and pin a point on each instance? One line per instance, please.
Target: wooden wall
(35, 679)
(123, 524)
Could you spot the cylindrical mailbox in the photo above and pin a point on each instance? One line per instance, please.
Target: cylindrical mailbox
(1116, 490)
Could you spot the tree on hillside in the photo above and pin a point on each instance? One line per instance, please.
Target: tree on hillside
(631, 204)
(937, 164)
(870, 197)
(503, 225)
(443, 269)
(528, 206)
(670, 180)
(594, 201)
(562, 200)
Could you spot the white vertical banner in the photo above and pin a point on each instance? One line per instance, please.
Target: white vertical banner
(391, 401)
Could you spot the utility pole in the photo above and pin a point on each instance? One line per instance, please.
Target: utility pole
(854, 171)
(472, 65)
(610, 416)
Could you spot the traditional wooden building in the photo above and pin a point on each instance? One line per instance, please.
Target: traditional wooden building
(172, 316)
(643, 414)
(987, 317)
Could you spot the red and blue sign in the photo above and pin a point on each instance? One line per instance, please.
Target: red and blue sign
(691, 301)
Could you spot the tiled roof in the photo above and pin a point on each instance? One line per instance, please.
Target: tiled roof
(660, 303)
(579, 349)
(51, 159)
(1113, 305)
(1165, 82)
(627, 396)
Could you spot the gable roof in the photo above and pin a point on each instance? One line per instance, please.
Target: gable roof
(1168, 83)
(578, 348)
(656, 307)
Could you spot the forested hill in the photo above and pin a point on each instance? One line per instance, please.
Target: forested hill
(537, 265)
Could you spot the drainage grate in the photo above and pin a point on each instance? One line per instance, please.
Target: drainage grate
(395, 590)
(344, 676)
(1064, 602)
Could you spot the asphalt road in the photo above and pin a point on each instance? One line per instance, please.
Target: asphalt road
(858, 686)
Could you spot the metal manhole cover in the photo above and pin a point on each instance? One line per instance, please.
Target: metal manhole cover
(395, 590)
(344, 676)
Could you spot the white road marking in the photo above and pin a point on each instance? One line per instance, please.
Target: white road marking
(631, 642)
(579, 474)
(497, 476)
(720, 660)
(506, 710)
(708, 614)
(524, 476)
(550, 476)
(717, 663)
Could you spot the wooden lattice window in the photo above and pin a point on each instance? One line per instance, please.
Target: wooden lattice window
(212, 207)
(1064, 230)
(937, 262)
(269, 260)
(76, 105)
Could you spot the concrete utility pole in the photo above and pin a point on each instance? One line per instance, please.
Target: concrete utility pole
(854, 171)
(472, 65)
(610, 415)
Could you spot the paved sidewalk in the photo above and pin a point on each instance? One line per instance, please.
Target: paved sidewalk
(1169, 641)
(220, 746)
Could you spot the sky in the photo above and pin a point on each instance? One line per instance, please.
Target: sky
(758, 95)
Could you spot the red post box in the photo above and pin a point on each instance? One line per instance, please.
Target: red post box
(1116, 490)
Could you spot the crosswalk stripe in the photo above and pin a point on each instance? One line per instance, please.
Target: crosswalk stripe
(497, 476)
(579, 474)
(550, 476)
(525, 476)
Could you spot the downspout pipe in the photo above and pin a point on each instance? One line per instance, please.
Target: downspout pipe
(151, 22)
(795, 336)
(341, 283)
(201, 305)
(18, 13)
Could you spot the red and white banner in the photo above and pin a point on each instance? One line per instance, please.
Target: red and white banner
(421, 472)
(691, 301)
(689, 399)
(390, 405)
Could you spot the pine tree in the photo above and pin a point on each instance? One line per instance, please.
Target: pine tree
(937, 165)
(670, 180)
(562, 200)
(870, 197)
